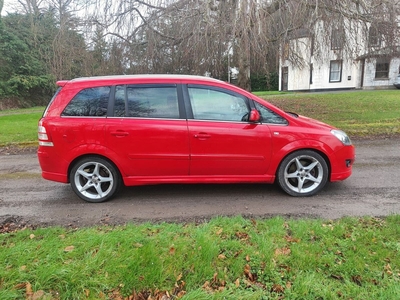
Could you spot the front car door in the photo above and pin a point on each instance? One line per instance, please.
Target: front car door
(222, 140)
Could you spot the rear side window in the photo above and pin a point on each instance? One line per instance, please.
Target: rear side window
(91, 102)
(146, 102)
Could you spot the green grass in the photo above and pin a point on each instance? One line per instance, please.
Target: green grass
(359, 113)
(20, 126)
(225, 258)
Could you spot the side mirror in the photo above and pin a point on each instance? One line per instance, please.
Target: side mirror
(254, 116)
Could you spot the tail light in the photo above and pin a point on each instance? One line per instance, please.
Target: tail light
(43, 137)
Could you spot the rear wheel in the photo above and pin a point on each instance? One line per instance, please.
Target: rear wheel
(303, 173)
(94, 179)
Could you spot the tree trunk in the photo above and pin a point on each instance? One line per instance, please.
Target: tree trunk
(244, 63)
(244, 46)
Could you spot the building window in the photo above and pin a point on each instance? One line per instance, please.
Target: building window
(374, 37)
(337, 38)
(335, 74)
(382, 68)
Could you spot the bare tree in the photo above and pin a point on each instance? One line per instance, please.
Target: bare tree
(208, 36)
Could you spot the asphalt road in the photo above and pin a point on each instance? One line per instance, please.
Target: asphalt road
(372, 190)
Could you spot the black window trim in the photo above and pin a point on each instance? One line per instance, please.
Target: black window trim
(374, 36)
(79, 91)
(181, 105)
(253, 106)
(330, 72)
(381, 61)
(337, 38)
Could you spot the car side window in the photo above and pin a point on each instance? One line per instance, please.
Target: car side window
(268, 116)
(91, 102)
(146, 102)
(209, 104)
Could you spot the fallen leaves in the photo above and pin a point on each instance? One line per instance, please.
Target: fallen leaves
(357, 279)
(219, 231)
(243, 236)
(291, 239)
(282, 251)
(38, 295)
(387, 269)
(69, 248)
(215, 284)
(177, 293)
(247, 272)
(277, 288)
(337, 277)
(221, 256)
(13, 224)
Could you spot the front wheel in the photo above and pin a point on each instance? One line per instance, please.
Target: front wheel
(303, 173)
(94, 179)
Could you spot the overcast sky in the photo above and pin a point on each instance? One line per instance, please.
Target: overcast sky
(9, 6)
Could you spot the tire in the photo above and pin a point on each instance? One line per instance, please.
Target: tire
(303, 173)
(95, 179)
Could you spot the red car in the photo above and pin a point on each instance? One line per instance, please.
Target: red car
(100, 132)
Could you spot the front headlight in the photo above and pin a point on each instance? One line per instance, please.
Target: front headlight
(342, 136)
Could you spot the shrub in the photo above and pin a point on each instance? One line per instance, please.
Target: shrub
(30, 90)
(265, 82)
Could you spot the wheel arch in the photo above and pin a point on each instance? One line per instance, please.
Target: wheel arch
(78, 158)
(323, 154)
(311, 145)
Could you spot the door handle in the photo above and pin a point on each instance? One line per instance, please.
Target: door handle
(202, 136)
(119, 133)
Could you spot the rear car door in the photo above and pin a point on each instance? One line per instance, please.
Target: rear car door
(146, 129)
(222, 140)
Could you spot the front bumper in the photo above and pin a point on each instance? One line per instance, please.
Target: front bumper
(342, 168)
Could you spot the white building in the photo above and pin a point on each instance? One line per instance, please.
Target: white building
(322, 60)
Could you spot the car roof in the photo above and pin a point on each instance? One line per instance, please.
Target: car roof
(97, 81)
(141, 77)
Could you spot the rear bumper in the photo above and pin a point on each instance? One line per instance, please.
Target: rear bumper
(53, 168)
(55, 177)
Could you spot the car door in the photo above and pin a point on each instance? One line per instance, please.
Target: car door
(147, 132)
(222, 141)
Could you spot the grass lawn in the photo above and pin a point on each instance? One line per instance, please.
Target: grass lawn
(20, 126)
(225, 258)
(359, 113)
